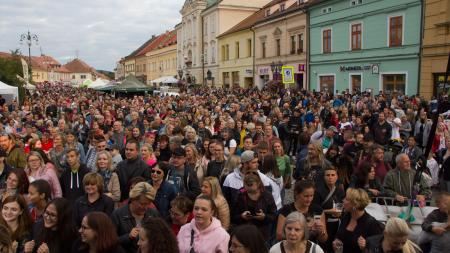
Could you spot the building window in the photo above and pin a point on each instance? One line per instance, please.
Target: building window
(223, 53)
(213, 53)
(326, 41)
(227, 52)
(278, 44)
(356, 37)
(237, 50)
(300, 44)
(355, 2)
(394, 82)
(293, 44)
(267, 12)
(249, 47)
(326, 10)
(327, 84)
(73, 76)
(282, 7)
(235, 77)
(355, 83)
(83, 76)
(263, 47)
(395, 31)
(226, 79)
(205, 54)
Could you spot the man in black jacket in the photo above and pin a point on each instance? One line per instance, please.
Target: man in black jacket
(130, 168)
(71, 179)
(182, 176)
(382, 130)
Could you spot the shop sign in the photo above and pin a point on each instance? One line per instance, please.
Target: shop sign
(264, 71)
(344, 68)
(248, 72)
(301, 67)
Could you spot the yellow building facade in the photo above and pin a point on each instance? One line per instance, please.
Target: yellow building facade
(435, 47)
(281, 41)
(161, 62)
(236, 60)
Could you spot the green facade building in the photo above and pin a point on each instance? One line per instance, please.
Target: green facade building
(365, 45)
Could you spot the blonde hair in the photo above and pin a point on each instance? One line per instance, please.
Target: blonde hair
(358, 197)
(233, 162)
(396, 227)
(215, 187)
(143, 189)
(194, 150)
(108, 157)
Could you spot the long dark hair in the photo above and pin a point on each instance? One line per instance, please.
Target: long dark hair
(65, 232)
(22, 185)
(24, 220)
(107, 239)
(250, 237)
(160, 236)
(270, 165)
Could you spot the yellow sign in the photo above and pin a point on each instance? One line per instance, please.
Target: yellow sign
(288, 74)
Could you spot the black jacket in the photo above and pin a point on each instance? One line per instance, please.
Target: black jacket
(188, 185)
(125, 222)
(128, 169)
(4, 175)
(72, 183)
(80, 247)
(53, 239)
(82, 207)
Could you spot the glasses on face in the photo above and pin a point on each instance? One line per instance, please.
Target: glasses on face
(50, 215)
(158, 172)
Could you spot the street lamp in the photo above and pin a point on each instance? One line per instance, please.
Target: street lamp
(276, 69)
(29, 38)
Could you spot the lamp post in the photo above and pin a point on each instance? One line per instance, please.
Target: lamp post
(29, 38)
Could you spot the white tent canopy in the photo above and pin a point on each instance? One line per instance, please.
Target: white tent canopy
(98, 83)
(8, 92)
(165, 79)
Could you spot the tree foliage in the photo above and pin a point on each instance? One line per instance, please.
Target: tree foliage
(10, 68)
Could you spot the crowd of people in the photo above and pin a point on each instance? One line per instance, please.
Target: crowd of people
(213, 170)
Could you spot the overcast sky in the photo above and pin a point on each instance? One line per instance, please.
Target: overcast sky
(102, 31)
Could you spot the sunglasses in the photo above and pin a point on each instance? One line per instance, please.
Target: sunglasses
(157, 172)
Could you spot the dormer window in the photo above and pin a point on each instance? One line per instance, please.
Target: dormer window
(267, 12)
(282, 7)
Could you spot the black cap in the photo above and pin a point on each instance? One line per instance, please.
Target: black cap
(179, 152)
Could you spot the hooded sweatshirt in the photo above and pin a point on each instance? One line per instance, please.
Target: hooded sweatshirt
(212, 239)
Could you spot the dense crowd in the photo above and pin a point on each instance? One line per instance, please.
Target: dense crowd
(214, 170)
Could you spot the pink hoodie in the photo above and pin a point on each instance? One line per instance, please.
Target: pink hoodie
(214, 239)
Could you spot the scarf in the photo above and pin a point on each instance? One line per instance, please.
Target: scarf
(106, 175)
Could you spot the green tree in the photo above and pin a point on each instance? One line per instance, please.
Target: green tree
(10, 68)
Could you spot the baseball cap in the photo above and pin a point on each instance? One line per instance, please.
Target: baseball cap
(333, 128)
(247, 156)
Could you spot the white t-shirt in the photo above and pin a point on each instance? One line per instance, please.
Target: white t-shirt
(232, 144)
(277, 248)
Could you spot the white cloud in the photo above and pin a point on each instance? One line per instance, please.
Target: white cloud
(101, 31)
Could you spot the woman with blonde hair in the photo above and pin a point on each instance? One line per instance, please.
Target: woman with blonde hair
(211, 188)
(128, 218)
(110, 179)
(313, 165)
(147, 154)
(296, 236)
(356, 224)
(233, 162)
(36, 169)
(393, 239)
(194, 160)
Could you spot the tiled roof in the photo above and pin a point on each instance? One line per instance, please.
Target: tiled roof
(294, 7)
(246, 23)
(62, 69)
(44, 62)
(78, 66)
(257, 17)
